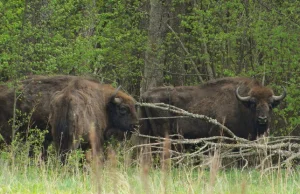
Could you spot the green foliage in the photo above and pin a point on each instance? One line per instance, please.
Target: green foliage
(252, 39)
(64, 36)
(108, 38)
(29, 145)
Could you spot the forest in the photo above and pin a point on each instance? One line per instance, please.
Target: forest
(140, 44)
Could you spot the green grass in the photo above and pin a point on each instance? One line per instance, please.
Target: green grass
(52, 177)
(122, 175)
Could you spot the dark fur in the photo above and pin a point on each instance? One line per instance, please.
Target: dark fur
(216, 99)
(85, 105)
(34, 96)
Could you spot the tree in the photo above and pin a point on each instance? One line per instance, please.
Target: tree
(155, 55)
(143, 44)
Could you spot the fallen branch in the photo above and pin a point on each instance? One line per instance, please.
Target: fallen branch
(263, 150)
(240, 151)
(174, 109)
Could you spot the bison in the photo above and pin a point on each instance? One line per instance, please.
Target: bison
(35, 94)
(243, 105)
(83, 111)
(33, 97)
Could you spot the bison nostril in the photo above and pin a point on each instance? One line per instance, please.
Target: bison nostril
(262, 119)
(134, 126)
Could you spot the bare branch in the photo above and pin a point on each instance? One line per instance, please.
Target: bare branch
(188, 53)
(180, 111)
(262, 150)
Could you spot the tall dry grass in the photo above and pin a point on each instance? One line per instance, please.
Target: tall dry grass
(119, 173)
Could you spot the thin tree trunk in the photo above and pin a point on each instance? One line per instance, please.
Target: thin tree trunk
(176, 66)
(188, 53)
(209, 69)
(155, 56)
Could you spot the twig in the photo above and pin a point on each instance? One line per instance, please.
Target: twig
(249, 149)
(188, 53)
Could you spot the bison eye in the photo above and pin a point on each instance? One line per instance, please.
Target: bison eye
(123, 110)
(270, 105)
(136, 106)
(252, 101)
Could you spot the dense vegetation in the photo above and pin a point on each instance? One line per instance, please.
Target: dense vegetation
(180, 42)
(121, 174)
(144, 43)
(37, 180)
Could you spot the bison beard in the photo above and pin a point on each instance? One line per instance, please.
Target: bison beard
(241, 104)
(84, 105)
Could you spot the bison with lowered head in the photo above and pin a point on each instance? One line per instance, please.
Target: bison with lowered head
(241, 104)
(35, 94)
(84, 110)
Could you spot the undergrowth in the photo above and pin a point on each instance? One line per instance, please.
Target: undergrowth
(24, 171)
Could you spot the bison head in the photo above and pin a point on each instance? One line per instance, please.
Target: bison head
(261, 100)
(122, 112)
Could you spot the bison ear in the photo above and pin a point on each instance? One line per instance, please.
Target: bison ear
(277, 99)
(275, 103)
(117, 100)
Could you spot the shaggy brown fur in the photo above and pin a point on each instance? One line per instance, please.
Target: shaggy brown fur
(34, 96)
(83, 105)
(36, 92)
(216, 99)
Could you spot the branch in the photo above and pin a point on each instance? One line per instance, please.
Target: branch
(180, 111)
(264, 149)
(187, 52)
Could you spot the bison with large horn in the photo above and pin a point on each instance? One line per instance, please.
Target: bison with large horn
(81, 112)
(242, 104)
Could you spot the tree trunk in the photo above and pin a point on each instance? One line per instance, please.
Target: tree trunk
(209, 69)
(176, 64)
(155, 55)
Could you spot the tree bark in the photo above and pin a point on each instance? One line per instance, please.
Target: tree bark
(209, 69)
(155, 54)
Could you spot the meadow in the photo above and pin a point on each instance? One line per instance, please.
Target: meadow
(119, 174)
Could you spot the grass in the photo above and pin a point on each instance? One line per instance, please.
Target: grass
(122, 175)
(118, 177)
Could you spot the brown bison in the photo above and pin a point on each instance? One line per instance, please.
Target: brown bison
(242, 104)
(83, 111)
(33, 98)
(35, 94)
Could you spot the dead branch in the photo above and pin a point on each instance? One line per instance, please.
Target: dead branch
(180, 111)
(263, 150)
(241, 151)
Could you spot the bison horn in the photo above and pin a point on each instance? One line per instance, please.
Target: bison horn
(243, 99)
(117, 100)
(115, 93)
(113, 97)
(281, 97)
